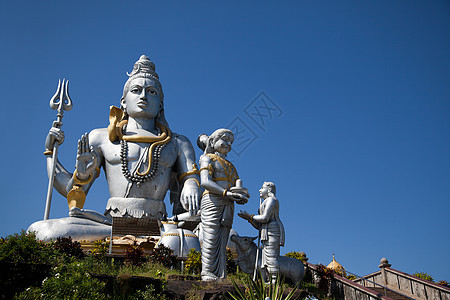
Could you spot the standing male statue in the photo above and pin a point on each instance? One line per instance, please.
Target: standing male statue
(141, 159)
(271, 229)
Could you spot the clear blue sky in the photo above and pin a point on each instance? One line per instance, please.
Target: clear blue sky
(359, 143)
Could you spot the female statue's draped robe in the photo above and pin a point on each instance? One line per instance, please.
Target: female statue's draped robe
(217, 218)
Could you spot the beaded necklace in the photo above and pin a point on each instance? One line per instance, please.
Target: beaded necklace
(153, 152)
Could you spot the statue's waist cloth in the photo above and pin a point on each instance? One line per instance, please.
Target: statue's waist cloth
(271, 237)
(135, 207)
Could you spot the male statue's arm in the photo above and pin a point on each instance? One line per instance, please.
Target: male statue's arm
(62, 176)
(63, 181)
(88, 162)
(187, 176)
(268, 211)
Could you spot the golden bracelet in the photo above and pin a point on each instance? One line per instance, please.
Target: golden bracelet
(224, 193)
(98, 172)
(193, 172)
(251, 218)
(77, 181)
(48, 152)
(195, 179)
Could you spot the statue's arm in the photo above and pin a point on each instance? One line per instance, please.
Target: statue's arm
(61, 176)
(268, 211)
(206, 177)
(185, 160)
(89, 160)
(187, 175)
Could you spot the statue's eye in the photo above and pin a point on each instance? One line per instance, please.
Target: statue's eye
(152, 92)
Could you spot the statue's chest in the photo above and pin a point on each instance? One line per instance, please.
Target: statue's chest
(115, 153)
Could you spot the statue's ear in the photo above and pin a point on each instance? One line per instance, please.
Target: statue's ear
(123, 105)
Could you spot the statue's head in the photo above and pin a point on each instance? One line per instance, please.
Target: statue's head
(219, 141)
(268, 189)
(144, 73)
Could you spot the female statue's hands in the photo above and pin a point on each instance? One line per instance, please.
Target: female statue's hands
(55, 134)
(238, 198)
(244, 215)
(87, 158)
(189, 197)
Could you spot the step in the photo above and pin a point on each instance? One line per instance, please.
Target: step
(391, 294)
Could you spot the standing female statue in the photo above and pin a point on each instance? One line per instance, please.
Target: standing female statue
(271, 229)
(141, 158)
(217, 177)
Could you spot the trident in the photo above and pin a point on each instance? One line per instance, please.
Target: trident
(60, 102)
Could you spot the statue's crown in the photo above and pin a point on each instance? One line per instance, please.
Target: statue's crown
(144, 65)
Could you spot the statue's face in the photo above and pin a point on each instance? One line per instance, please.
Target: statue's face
(223, 145)
(264, 191)
(142, 99)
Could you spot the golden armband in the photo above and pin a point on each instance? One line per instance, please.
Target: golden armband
(193, 172)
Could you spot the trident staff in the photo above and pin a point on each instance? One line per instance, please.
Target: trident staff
(60, 102)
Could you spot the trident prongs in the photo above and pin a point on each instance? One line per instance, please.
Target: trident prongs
(61, 100)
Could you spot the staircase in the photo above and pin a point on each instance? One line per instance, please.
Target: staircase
(389, 293)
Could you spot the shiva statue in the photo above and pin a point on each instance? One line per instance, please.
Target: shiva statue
(218, 177)
(271, 229)
(141, 157)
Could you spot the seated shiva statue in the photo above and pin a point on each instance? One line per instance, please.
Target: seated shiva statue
(142, 159)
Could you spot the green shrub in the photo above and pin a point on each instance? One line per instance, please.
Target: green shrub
(23, 247)
(297, 255)
(350, 277)
(444, 283)
(193, 264)
(100, 249)
(424, 276)
(258, 290)
(67, 281)
(134, 254)
(69, 248)
(164, 256)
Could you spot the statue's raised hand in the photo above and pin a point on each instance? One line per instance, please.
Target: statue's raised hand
(87, 158)
(55, 134)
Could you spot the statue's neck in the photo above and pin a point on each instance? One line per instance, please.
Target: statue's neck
(142, 124)
(220, 154)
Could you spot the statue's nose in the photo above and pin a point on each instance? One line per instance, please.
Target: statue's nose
(143, 97)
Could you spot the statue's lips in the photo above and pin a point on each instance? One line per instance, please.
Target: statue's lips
(142, 104)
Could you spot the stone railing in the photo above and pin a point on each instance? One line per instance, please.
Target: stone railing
(341, 288)
(406, 284)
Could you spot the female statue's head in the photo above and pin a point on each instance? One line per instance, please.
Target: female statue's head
(144, 71)
(219, 141)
